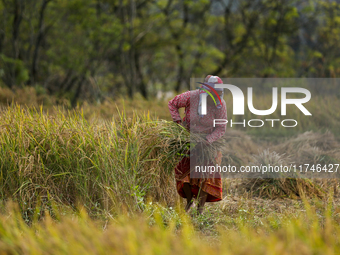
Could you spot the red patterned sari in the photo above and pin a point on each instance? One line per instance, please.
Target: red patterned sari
(189, 100)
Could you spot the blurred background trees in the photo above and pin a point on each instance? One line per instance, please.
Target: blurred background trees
(93, 49)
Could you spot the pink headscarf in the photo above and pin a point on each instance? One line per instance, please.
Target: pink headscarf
(211, 81)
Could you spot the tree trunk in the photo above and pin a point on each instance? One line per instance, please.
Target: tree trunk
(40, 36)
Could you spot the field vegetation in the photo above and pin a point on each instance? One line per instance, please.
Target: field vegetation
(99, 178)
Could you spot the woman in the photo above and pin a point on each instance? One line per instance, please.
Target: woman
(207, 190)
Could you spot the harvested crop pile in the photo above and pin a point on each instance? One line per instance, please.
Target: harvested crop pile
(311, 148)
(280, 186)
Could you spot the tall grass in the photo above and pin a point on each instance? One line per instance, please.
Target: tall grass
(65, 158)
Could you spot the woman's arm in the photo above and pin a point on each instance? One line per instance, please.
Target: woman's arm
(220, 129)
(179, 101)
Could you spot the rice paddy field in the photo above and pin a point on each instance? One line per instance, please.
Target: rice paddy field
(99, 179)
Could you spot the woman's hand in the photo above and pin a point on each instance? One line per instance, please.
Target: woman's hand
(181, 123)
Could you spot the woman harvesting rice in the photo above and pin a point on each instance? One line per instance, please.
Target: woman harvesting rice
(209, 189)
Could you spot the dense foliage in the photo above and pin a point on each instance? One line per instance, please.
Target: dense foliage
(91, 49)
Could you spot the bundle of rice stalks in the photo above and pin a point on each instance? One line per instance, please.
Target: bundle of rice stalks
(176, 142)
(167, 142)
(180, 143)
(279, 186)
(205, 154)
(285, 187)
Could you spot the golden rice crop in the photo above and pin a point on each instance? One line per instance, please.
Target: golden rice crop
(313, 230)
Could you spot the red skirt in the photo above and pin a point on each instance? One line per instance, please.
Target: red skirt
(212, 186)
